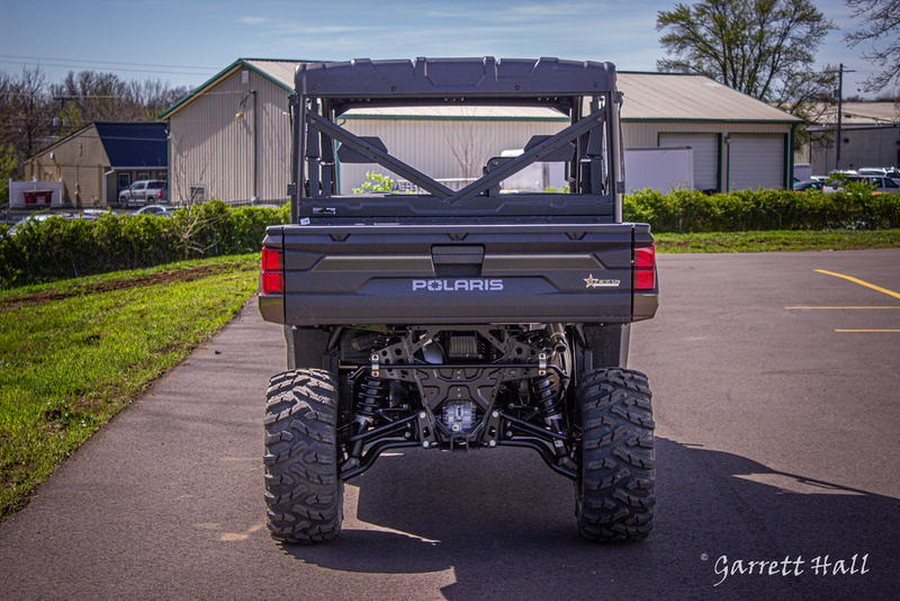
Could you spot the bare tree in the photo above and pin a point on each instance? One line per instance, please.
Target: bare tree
(90, 96)
(25, 112)
(192, 221)
(881, 28)
(34, 114)
(462, 139)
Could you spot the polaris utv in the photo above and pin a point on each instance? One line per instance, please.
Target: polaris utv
(469, 318)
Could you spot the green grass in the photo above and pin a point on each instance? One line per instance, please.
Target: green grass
(794, 240)
(72, 356)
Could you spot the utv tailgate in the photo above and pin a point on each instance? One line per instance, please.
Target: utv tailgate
(430, 274)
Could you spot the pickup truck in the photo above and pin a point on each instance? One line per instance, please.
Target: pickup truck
(458, 319)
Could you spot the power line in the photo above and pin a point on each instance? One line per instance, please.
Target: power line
(81, 61)
(121, 69)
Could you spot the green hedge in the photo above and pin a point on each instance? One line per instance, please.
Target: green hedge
(692, 211)
(60, 248)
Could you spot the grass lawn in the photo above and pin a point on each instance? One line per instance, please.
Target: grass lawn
(74, 353)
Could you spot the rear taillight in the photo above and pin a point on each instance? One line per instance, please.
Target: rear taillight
(272, 271)
(645, 268)
(159, 194)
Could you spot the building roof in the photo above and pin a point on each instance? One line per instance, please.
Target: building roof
(676, 97)
(128, 144)
(279, 71)
(648, 97)
(136, 144)
(862, 114)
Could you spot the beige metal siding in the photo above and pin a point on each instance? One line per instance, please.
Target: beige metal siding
(79, 163)
(273, 142)
(443, 149)
(211, 146)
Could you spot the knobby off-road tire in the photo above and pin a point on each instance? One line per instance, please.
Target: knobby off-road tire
(303, 491)
(614, 492)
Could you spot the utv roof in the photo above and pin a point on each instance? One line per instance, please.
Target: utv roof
(455, 79)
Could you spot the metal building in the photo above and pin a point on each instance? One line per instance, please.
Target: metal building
(97, 161)
(870, 137)
(738, 142)
(230, 138)
(450, 143)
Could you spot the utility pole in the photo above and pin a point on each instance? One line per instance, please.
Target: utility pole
(840, 116)
(838, 135)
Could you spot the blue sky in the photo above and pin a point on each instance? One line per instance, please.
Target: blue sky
(185, 42)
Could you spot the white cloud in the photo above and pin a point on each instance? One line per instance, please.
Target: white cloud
(250, 20)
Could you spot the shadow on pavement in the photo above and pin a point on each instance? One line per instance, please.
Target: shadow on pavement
(505, 525)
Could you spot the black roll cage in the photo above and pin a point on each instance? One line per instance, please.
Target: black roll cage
(583, 91)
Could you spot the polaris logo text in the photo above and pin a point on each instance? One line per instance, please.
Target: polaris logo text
(457, 285)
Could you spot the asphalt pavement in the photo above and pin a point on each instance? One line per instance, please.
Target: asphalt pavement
(777, 401)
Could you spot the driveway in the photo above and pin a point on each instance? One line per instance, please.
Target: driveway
(778, 412)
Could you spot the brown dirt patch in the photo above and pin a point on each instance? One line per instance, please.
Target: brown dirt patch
(168, 276)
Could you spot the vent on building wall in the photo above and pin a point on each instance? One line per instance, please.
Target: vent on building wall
(198, 193)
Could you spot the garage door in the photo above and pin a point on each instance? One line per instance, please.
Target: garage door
(706, 156)
(755, 161)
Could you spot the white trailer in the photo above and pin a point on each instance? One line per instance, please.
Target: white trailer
(663, 169)
(35, 195)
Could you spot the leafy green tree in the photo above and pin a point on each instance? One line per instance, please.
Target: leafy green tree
(763, 48)
(376, 182)
(881, 28)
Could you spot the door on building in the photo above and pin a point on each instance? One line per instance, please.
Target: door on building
(706, 156)
(123, 181)
(756, 160)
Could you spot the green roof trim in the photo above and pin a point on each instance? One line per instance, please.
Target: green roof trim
(243, 63)
(199, 89)
(683, 120)
(559, 119)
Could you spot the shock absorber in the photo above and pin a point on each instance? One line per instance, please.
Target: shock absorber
(549, 387)
(547, 390)
(372, 393)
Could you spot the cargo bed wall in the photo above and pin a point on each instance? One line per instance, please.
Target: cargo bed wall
(440, 275)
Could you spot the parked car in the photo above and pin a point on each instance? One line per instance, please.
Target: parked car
(35, 218)
(94, 214)
(814, 184)
(891, 172)
(881, 184)
(143, 191)
(158, 210)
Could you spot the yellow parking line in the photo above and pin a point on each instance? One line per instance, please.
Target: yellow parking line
(868, 331)
(802, 308)
(850, 278)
